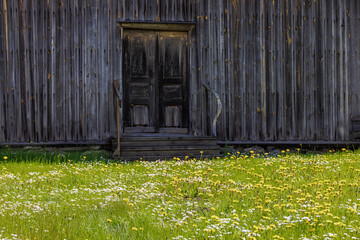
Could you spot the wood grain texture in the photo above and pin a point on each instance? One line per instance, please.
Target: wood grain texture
(285, 70)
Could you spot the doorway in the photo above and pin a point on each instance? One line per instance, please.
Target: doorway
(155, 81)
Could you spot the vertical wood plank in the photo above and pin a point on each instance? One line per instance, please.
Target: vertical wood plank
(323, 122)
(341, 72)
(27, 81)
(346, 95)
(354, 72)
(9, 78)
(193, 65)
(332, 86)
(83, 76)
(74, 25)
(242, 97)
(113, 8)
(3, 64)
(117, 72)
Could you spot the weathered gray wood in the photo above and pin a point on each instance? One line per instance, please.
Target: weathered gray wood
(332, 68)
(4, 59)
(117, 72)
(354, 71)
(9, 120)
(68, 61)
(168, 26)
(27, 80)
(52, 71)
(61, 78)
(346, 68)
(3, 64)
(18, 114)
(285, 70)
(35, 71)
(75, 103)
(83, 72)
(44, 73)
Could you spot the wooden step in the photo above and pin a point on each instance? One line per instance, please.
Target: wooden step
(161, 158)
(166, 147)
(165, 141)
(169, 151)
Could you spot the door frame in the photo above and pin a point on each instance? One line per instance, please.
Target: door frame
(122, 26)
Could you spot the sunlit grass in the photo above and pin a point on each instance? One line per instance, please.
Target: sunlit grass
(86, 196)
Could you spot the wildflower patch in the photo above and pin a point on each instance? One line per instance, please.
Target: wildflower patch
(238, 196)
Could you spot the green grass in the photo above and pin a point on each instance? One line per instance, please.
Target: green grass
(86, 196)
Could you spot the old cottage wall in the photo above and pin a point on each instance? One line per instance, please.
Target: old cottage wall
(285, 70)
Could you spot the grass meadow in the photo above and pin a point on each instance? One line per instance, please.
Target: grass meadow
(86, 196)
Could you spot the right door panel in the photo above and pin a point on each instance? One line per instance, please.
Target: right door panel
(173, 92)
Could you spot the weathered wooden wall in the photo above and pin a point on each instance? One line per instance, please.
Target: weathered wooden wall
(59, 59)
(290, 68)
(285, 70)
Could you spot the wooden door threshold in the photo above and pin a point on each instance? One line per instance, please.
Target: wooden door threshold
(155, 135)
(140, 131)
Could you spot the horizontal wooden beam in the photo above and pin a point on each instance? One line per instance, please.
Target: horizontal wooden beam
(161, 26)
(287, 143)
(55, 143)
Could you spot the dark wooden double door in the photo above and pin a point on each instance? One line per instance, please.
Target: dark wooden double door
(155, 81)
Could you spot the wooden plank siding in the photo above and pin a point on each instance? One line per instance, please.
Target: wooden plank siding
(285, 70)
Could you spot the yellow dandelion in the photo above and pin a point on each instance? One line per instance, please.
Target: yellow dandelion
(352, 210)
(340, 224)
(5, 157)
(108, 220)
(134, 229)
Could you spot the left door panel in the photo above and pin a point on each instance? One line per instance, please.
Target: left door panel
(139, 81)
